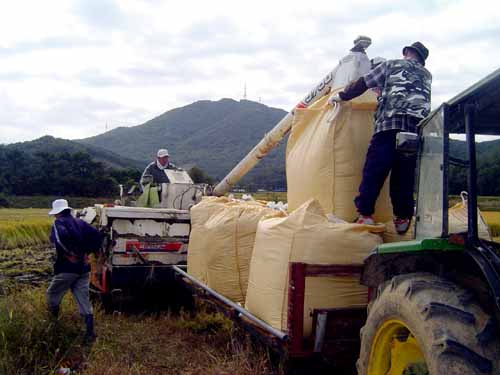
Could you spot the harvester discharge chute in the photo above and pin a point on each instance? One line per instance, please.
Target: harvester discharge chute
(350, 67)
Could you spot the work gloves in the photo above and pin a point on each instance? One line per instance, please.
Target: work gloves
(334, 99)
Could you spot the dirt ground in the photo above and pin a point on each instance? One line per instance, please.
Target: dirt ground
(135, 340)
(29, 266)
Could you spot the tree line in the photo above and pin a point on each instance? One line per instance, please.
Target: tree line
(62, 174)
(67, 174)
(78, 175)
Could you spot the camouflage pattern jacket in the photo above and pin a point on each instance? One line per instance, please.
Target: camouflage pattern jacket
(406, 88)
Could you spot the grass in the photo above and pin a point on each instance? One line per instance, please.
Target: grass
(29, 342)
(162, 343)
(165, 343)
(24, 227)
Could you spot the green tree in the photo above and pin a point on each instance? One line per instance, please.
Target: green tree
(199, 176)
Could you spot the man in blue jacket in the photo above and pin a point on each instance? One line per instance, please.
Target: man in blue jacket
(74, 239)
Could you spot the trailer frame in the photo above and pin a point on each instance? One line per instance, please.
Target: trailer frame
(335, 330)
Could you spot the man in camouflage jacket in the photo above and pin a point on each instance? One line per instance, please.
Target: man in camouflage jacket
(404, 100)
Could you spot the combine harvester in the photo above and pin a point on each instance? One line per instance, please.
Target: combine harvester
(433, 302)
(143, 242)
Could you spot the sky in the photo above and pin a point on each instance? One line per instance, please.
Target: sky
(74, 69)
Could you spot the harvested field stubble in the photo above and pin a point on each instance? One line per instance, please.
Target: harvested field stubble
(139, 344)
(30, 343)
(26, 266)
(163, 343)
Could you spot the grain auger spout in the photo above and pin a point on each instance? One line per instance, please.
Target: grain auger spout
(350, 67)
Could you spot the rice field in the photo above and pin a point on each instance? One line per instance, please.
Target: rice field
(152, 343)
(492, 218)
(24, 227)
(21, 228)
(30, 344)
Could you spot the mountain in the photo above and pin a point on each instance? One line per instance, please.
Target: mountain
(216, 135)
(213, 135)
(49, 144)
(488, 161)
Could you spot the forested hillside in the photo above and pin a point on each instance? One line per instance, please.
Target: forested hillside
(59, 173)
(211, 135)
(49, 144)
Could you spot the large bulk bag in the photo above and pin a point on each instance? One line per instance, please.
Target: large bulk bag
(200, 213)
(457, 223)
(325, 156)
(391, 235)
(306, 236)
(231, 236)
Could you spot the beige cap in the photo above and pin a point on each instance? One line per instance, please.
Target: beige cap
(162, 152)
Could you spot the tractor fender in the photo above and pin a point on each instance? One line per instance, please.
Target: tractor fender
(479, 275)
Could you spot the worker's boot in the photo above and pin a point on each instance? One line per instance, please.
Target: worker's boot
(366, 220)
(54, 312)
(90, 335)
(401, 225)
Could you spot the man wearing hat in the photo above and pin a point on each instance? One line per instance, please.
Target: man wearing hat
(73, 239)
(404, 100)
(155, 171)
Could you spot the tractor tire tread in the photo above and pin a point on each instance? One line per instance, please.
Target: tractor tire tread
(456, 336)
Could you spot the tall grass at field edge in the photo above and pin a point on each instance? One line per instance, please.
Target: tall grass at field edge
(30, 341)
(493, 221)
(160, 343)
(15, 234)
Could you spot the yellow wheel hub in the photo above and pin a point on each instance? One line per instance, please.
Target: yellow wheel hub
(395, 351)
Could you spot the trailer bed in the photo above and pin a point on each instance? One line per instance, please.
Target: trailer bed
(335, 331)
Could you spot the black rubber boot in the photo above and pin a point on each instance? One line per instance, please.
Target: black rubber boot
(90, 335)
(54, 312)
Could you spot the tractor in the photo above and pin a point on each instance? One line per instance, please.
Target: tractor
(434, 302)
(435, 305)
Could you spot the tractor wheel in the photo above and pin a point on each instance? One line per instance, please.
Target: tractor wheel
(422, 324)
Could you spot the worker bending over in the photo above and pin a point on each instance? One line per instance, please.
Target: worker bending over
(405, 86)
(73, 239)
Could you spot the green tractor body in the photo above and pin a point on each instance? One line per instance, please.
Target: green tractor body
(434, 301)
(435, 304)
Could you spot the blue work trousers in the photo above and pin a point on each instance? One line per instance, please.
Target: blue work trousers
(382, 158)
(79, 286)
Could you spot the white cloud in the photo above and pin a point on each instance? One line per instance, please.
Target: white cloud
(68, 68)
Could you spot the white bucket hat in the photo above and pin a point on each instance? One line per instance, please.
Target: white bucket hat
(58, 206)
(162, 152)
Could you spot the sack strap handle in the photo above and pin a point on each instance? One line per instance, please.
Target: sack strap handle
(58, 239)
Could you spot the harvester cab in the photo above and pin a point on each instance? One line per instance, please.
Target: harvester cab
(179, 193)
(143, 239)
